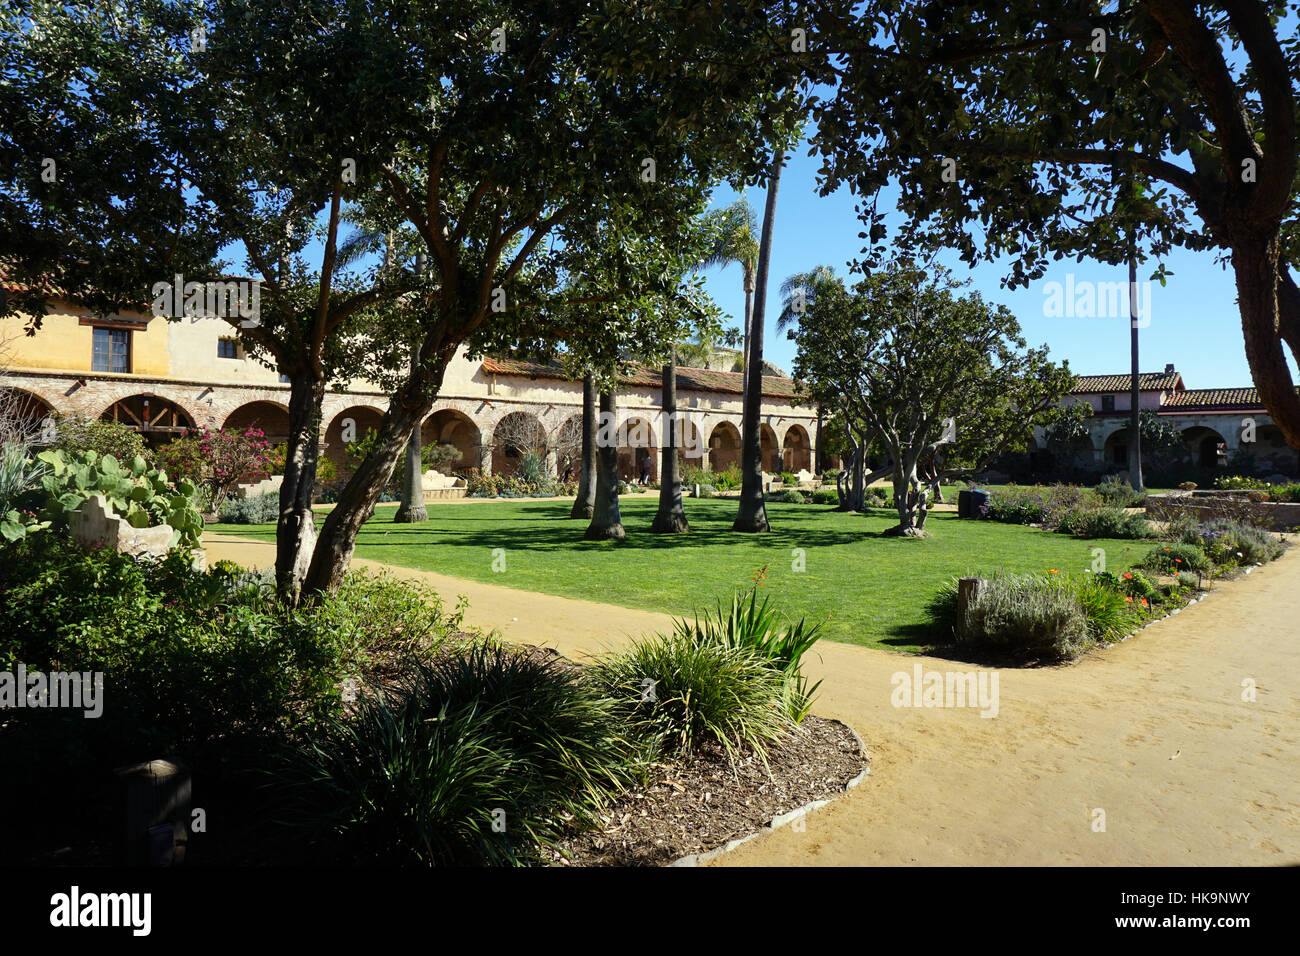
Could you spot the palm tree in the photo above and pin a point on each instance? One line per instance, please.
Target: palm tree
(671, 516)
(584, 505)
(753, 512)
(798, 299)
(736, 242)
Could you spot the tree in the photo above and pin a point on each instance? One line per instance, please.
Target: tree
(1013, 131)
(519, 135)
(735, 240)
(752, 514)
(606, 522)
(921, 369)
(92, 185)
(671, 516)
(584, 505)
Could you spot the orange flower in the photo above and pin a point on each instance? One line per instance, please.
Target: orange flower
(1052, 571)
(1144, 603)
(1127, 575)
(1129, 599)
(1178, 560)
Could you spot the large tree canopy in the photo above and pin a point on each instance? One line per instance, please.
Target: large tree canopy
(1033, 130)
(905, 359)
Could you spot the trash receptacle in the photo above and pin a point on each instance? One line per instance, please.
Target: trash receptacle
(963, 504)
(979, 500)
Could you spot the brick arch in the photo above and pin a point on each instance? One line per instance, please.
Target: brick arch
(636, 447)
(725, 446)
(26, 406)
(451, 426)
(796, 449)
(270, 416)
(365, 416)
(515, 434)
(158, 418)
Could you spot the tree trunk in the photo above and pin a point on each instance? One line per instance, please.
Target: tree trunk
(411, 510)
(356, 505)
(584, 505)
(858, 494)
(295, 530)
(910, 498)
(671, 517)
(1256, 268)
(752, 515)
(606, 522)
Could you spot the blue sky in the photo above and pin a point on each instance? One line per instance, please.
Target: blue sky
(1194, 321)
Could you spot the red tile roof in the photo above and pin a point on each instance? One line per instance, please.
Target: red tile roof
(1224, 399)
(1147, 382)
(688, 379)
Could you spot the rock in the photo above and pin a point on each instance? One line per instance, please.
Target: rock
(95, 525)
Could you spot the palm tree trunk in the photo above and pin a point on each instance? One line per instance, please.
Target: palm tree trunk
(671, 517)
(584, 505)
(753, 513)
(606, 522)
(411, 510)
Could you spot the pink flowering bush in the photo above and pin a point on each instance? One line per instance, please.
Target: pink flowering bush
(217, 461)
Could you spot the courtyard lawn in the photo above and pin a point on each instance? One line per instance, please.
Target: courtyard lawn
(870, 590)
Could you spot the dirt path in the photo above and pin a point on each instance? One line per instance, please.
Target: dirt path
(1153, 732)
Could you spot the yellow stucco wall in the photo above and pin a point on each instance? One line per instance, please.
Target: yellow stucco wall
(64, 344)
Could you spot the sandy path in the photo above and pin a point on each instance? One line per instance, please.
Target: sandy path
(1153, 731)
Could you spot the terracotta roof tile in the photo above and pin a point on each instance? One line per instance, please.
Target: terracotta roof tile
(1147, 382)
(1219, 398)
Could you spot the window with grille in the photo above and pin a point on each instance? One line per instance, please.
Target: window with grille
(1108, 403)
(228, 348)
(111, 351)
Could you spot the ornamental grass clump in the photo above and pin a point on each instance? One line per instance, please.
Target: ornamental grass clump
(679, 693)
(481, 757)
(758, 627)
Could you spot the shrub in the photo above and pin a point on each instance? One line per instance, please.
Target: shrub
(373, 616)
(1013, 505)
(727, 480)
(678, 693)
(1172, 558)
(1104, 523)
(1239, 483)
(1026, 615)
(757, 627)
(1188, 580)
(788, 478)
(1115, 492)
(425, 774)
(831, 474)
(439, 456)
(75, 434)
(1109, 616)
(1284, 493)
(793, 497)
(196, 661)
(1227, 542)
(143, 496)
(1136, 585)
(707, 491)
(259, 509)
(825, 496)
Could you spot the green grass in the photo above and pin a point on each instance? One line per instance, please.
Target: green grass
(870, 590)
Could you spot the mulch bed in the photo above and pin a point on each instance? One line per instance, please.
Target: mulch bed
(702, 802)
